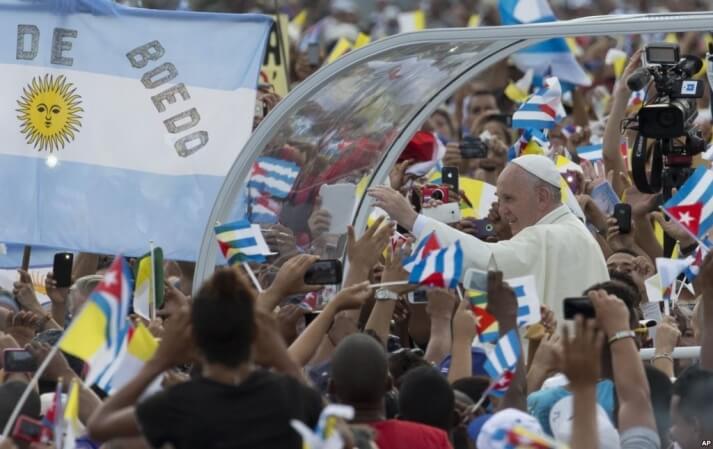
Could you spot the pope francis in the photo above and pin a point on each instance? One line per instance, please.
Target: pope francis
(548, 241)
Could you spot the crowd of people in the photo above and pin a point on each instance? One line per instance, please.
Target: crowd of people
(274, 362)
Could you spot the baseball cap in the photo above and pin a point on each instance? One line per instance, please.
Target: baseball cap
(494, 433)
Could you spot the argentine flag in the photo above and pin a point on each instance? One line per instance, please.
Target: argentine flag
(119, 124)
(551, 57)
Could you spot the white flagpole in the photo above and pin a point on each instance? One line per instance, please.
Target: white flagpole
(388, 284)
(252, 277)
(28, 389)
(152, 287)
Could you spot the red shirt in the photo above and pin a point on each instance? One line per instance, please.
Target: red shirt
(395, 434)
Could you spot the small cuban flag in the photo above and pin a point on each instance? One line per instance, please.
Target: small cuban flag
(486, 325)
(442, 268)
(242, 241)
(543, 110)
(669, 269)
(528, 303)
(692, 205)
(427, 245)
(592, 153)
(273, 176)
(504, 356)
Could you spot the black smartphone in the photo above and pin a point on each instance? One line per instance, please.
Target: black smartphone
(578, 306)
(313, 57)
(324, 272)
(418, 297)
(449, 175)
(622, 213)
(309, 317)
(473, 148)
(19, 361)
(505, 119)
(62, 269)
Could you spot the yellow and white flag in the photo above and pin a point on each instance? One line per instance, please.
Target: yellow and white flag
(71, 417)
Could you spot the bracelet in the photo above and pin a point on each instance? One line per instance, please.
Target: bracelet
(621, 335)
(665, 355)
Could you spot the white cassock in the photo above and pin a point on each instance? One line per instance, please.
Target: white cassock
(558, 251)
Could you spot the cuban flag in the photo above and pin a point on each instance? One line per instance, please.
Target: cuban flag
(273, 176)
(426, 246)
(695, 261)
(503, 384)
(98, 333)
(442, 268)
(263, 208)
(592, 153)
(669, 269)
(242, 241)
(532, 141)
(528, 303)
(121, 123)
(486, 325)
(552, 56)
(543, 110)
(692, 205)
(504, 356)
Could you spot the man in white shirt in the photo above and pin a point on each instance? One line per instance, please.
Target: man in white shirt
(548, 241)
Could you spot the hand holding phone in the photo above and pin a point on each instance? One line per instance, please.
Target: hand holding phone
(622, 214)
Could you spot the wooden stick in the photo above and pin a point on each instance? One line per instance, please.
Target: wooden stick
(26, 253)
(252, 276)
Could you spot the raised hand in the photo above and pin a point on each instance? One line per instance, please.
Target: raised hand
(290, 278)
(464, 323)
(22, 326)
(441, 303)
(581, 354)
(502, 302)
(352, 297)
(56, 294)
(176, 346)
(57, 368)
(365, 252)
(25, 293)
(395, 204)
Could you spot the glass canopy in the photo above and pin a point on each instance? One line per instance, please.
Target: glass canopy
(348, 122)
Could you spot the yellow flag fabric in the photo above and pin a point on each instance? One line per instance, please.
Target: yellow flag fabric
(71, 416)
(480, 194)
(362, 40)
(340, 48)
(299, 20)
(412, 21)
(142, 345)
(474, 21)
(86, 337)
(277, 59)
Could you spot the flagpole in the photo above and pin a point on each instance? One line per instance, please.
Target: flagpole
(28, 389)
(152, 288)
(484, 396)
(252, 277)
(388, 284)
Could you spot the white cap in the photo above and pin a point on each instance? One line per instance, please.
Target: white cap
(561, 417)
(490, 436)
(540, 167)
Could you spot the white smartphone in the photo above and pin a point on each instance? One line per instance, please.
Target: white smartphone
(475, 280)
(445, 213)
(339, 201)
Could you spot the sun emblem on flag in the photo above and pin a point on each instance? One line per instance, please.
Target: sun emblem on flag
(49, 112)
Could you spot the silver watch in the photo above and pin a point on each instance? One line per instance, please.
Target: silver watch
(383, 294)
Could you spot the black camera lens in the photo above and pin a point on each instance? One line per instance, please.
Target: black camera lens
(667, 118)
(437, 195)
(489, 227)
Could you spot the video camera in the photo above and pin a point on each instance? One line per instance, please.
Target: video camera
(668, 118)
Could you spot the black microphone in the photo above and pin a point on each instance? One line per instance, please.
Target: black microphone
(639, 79)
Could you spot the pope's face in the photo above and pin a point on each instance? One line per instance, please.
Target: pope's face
(517, 199)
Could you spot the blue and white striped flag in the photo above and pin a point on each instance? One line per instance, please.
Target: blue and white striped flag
(273, 176)
(504, 356)
(692, 205)
(242, 241)
(442, 268)
(120, 123)
(552, 56)
(528, 303)
(592, 153)
(543, 110)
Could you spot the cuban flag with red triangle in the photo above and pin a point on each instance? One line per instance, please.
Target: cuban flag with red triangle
(442, 268)
(426, 246)
(692, 205)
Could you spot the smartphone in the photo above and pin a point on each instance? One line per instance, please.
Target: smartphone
(475, 280)
(19, 361)
(324, 272)
(484, 229)
(449, 176)
(473, 148)
(445, 213)
(578, 306)
(313, 56)
(309, 317)
(27, 429)
(62, 269)
(418, 297)
(260, 109)
(622, 213)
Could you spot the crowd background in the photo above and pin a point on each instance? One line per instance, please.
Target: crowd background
(236, 365)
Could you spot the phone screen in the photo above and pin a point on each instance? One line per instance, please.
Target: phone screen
(19, 361)
(62, 269)
(578, 306)
(324, 272)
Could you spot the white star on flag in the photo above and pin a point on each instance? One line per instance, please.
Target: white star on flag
(110, 278)
(685, 218)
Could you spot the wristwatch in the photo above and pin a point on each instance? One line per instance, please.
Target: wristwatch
(383, 294)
